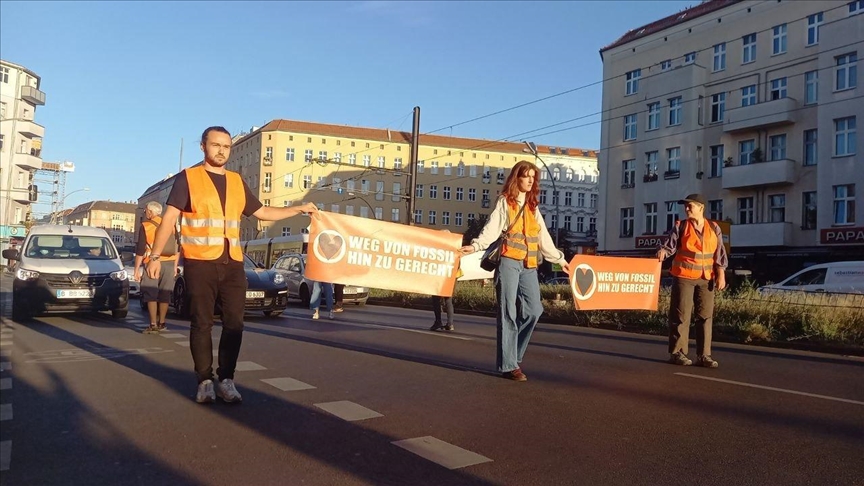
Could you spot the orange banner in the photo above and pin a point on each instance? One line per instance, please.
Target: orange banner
(383, 255)
(614, 283)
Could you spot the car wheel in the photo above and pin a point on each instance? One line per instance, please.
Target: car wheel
(120, 313)
(305, 297)
(180, 307)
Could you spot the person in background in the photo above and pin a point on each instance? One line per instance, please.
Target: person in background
(447, 302)
(698, 269)
(517, 288)
(319, 288)
(156, 293)
(339, 295)
(211, 201)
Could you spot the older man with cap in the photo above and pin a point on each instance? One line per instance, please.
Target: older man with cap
(698, 269)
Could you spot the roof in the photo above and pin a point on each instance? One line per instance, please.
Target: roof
(62, 229)
(691, 13)
(119, 207)
(388, 136)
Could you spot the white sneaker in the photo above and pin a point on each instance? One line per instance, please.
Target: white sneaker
(331, 316)
(205, 392)
(315, 314)
(228, 392)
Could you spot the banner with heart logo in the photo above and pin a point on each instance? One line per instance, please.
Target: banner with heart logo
(614, 283)
(380, 254)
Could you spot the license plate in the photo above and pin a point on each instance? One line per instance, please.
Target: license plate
(75, 294)
(254, 294)
(349, 292)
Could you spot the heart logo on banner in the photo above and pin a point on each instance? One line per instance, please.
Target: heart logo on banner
(584, 279)
(330, 245)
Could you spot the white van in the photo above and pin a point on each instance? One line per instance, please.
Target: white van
(837, 277)
(66, 268)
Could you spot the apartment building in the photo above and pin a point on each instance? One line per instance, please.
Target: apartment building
(20, 149)
(755, 105)
(364, 172)
(117, 218)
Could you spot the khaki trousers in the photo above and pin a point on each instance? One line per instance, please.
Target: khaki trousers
(691, 298)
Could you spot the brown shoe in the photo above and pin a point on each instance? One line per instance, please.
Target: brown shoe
(161, 327)
(151, 329)
(515, 375)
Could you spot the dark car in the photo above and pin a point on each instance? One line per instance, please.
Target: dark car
(266, 292)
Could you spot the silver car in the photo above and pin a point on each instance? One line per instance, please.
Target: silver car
(293, 267)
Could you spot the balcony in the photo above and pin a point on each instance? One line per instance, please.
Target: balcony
(28, 161)
(776, 172)
(32, 95)
(761, 234)
(761, 115)
(30, 129)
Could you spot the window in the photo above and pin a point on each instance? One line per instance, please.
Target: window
(349, 210)
(397, 164)
(418, 216)
(472, 194)
(381, 163)
(650, 219)
(778, 88)
(448, 168)
(653, 116)
(433, 167)
(749, 52)
(626, 222)
(568, 222)
(632, 83)
(501, 175)
(322, 181)
(855, 7)
(748, 95)
(364, 212)
(555, 197)
(628, 173)
(568, 198)
(592, 225)
(718, 107)
(811, 277)
(593, 200)
(433, 192)
(720, 57)
(745, 151)
(289, 155)
(379, 191)
(307, 155)
(844, 204)
(352, 159)
(777, 208)
(289, 180)
(715, 209)
(810, 148)
(471, 217)
(846, 74)
(666, 65)
(844, 136)
(630, 127)
(446, 193)
(811, 87)
(673, 155)
(813, 23)
(543, 194)
(689, 58)
(554, 224)
(432, 216)
(364, 186)
(675, 111)
(379, 213)
(397, 192)
(485, 195)
(472, 172)
(334, 208)
(808, 212)
(337, 157)
(307, 181)
(673, 214)
(580, 199)
(460, 169)
(716, 161)
(286, 231)
(418, 191)
(322, 155)
(4, 71)
(650, 165)
(445, 218)
(458, 219)
(777, 146)
(394, 215)
(460, 193)
(745, 210)
(778, 41)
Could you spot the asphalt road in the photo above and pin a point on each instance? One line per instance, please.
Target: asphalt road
(372, 397)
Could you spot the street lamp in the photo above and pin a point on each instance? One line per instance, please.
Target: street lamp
(60, 204)
(531, 148)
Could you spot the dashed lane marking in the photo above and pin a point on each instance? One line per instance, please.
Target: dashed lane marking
(396, 328)
(349, 411)
(288, 384)
(185, 344)
(440, 452)
(5, 352)
(771, 388)
(5, 343)
(248, 366)
(5, 383)
(5, 454)
(172, 336)
(5, 412)
(5, 365)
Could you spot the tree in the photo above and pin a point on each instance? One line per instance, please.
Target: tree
(475, 226)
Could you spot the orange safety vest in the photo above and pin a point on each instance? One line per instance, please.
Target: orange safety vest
(150, 227)
(694, 258)
(523, 240)
(204, 230)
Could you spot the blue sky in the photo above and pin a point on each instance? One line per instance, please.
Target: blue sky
(126, 81)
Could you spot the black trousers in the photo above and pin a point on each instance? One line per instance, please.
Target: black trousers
(338, 293)
(691, 299)
(209, 282)
(448, 307)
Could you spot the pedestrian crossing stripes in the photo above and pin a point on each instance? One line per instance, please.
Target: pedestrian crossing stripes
(348, 411)
(440, 452)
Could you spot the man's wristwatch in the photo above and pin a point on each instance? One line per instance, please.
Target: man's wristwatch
(155, 258)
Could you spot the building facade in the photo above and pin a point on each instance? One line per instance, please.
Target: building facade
(20, 149)
(117, 218)
(755, 105)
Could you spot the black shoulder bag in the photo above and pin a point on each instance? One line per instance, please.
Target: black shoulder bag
(492, 256)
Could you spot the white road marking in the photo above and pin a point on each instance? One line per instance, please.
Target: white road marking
(248, 366)
(349, 411)
(5, 454)
(5, 343)
(771, 388)
(5, 412)
(185, 344)
(172, 336)
(440, 452)
(5, 383)
(5, 365)
(288, 384)
(395, 328)
(5, 352)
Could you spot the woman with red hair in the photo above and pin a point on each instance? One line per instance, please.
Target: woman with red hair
(516, 276)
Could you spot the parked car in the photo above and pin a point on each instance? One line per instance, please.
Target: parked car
(66, 268)
(558, 281)
(266, 291)
(293, 267)
(837, 277)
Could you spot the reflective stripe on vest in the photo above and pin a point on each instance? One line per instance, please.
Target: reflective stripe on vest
(150, 227)
(517, 245)
(694, 258)
(203, 231)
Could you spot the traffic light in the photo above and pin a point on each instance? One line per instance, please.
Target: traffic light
(33, 189)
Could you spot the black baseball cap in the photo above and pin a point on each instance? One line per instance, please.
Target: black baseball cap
(697, 198)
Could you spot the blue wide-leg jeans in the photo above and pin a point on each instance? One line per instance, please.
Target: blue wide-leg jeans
(519, 308)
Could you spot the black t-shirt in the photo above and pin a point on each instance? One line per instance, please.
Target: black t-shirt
(179, 198)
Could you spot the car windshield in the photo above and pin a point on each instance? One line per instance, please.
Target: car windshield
(248, 263)
(70, 246)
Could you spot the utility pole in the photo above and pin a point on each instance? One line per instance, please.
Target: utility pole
(415, 145)
(180, 166)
